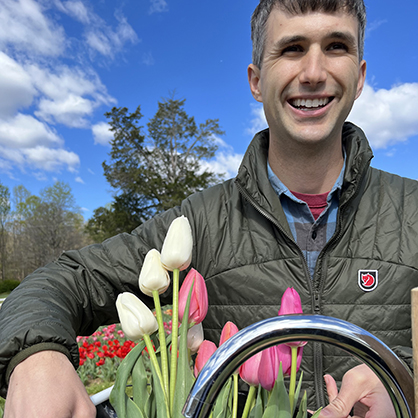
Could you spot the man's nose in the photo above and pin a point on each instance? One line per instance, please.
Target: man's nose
(313, 71)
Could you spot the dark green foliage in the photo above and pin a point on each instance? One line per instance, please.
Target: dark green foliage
(7, 286)
(152, 172)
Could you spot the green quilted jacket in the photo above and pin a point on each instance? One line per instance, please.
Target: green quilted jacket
(244, 249)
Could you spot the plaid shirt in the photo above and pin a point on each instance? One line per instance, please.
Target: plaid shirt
(311, 235)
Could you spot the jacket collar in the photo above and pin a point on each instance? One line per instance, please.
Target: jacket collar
(253, 180)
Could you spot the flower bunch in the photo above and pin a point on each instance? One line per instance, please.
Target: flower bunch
(169, 352)
(264, 373)
(163, 393)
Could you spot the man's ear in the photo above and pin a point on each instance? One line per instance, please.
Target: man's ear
(254, 80)
(361, 78)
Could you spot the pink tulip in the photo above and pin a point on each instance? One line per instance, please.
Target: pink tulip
(199, 299)
(285, 356)
(291, 304)
(228, 331)
(248, 371)
(206, 349)
(268, 368)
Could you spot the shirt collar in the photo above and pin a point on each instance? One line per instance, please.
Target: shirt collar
(281, 189)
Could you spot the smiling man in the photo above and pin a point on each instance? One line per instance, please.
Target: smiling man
(306, 210)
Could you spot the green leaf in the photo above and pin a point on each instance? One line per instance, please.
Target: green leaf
(140, 385)
(160, 397)
(257, 411)
(302, 413)
(221, 408)
(316, 414)
(185, 378)
(118, 397)
(278, 405)
(150, 407)
(297, 393)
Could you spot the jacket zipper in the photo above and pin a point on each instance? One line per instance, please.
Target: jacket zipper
(318, 366)
(279, 227)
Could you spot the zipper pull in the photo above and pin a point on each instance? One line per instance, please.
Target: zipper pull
(317, 309)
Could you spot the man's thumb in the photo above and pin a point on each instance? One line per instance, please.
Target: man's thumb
(338, 408)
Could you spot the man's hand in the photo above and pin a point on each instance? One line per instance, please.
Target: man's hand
(46, 385)
(360, 389)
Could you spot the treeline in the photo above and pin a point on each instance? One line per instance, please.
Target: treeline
(38, 229)
(150, 169)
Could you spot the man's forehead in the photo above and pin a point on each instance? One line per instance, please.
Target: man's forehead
(312, 21)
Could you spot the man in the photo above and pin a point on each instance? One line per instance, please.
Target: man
(305, 210)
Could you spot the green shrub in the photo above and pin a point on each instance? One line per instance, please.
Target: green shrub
(7, 286)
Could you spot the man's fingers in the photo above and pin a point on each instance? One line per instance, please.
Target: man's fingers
(331, 385)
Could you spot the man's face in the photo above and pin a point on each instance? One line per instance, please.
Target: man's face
(310, 75)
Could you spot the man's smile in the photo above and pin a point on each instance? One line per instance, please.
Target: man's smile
(310, 104)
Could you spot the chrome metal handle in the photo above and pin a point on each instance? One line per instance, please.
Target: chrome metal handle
(393, 373)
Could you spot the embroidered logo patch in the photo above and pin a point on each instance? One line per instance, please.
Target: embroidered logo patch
(367, 280)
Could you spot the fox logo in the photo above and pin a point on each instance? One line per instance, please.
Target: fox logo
(367, 280)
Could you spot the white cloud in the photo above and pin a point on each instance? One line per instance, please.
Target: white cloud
(258, 122)
(103, 39)
(16, 87)
(24, 131)
(51, 159)
(225, 163)
(158, 6)
(75, 9)
(24, 26)
(38, 90)
(79, 180)
(148, 59)
(68, 95)
(387, 116)
(101, 133)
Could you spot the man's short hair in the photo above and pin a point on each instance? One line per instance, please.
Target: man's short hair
(295, 7)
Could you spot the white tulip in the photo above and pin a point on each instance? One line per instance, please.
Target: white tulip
(153, 275)
(135, 317)
(195, 337)
(178, 244)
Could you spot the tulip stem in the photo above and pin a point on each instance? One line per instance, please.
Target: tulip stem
(174, 336)
(153, 358)
(163, 345)
(292, 384)
(235, 398)
(249, 401)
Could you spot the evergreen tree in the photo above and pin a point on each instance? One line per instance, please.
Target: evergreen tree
(155, 171)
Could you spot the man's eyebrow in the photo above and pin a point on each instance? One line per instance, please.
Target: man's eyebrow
(344, 36)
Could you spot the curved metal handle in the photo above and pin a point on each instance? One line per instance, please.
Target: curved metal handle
(393, 373)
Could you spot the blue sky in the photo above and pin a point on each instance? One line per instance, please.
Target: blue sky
(63, 64)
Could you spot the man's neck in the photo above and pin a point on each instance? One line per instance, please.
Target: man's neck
(310, 171)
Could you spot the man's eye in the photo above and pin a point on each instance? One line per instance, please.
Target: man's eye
(338, 46)
(292, 48)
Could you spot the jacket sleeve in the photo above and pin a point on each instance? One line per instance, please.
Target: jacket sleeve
(74, 295)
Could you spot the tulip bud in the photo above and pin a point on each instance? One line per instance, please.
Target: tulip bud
(291, 304)
(199, 298)
(228, 330)
(268, 368)
(195, 338)
(206, 349)
(153, 275)
(248, 371)
(178, 244)
(135, 317)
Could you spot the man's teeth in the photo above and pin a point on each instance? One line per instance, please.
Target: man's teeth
(310, 103)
